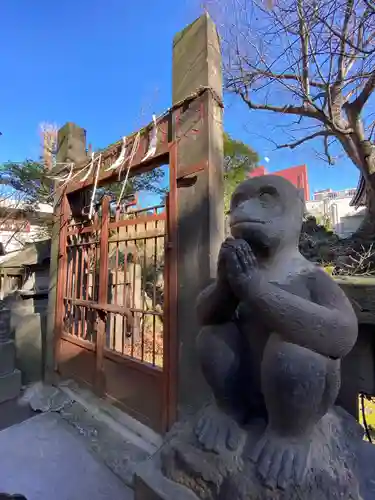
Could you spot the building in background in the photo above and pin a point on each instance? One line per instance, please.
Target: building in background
(335, 208)
(332, 195)
(296, 175)
(19, 225)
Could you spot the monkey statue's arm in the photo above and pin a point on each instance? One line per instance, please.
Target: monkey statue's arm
(326, 324)
(216, 304)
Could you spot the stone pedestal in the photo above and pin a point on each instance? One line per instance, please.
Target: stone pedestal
(10, 377)
(341, 465)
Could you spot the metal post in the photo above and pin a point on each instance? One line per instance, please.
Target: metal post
(170, 304)
(103, 293)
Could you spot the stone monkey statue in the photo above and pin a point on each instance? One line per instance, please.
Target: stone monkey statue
(274, 329)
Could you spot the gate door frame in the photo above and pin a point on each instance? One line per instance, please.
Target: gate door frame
(142, 389)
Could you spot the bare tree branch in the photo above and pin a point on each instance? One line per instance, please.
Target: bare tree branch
(326, 151)
(304, 38)
(343, 40)
(250, 76)
(370, 4)
(293, 145)
(364, 96)
(312, 61)
(346, 40)
(287, 109)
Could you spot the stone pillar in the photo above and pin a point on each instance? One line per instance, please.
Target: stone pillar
(199, 138)
(10, 377)
(71, 148)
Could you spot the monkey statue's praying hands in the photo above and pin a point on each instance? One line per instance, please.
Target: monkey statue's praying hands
(274, 329)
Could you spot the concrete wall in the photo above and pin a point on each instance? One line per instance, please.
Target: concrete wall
(349, 224)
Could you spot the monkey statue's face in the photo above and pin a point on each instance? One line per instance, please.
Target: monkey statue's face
(266, 212)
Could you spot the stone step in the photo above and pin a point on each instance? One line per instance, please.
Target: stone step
(139, 434)
(42, 459)
(117, 440)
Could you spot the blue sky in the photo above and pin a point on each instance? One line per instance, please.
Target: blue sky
(106, 65)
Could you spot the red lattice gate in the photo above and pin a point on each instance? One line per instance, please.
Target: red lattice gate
(113, 316)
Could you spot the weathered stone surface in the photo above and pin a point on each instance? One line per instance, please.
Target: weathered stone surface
(151, 484)
(342, 466)
(198, 131)
(30, 333)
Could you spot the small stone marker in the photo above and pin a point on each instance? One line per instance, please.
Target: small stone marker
(10, 377)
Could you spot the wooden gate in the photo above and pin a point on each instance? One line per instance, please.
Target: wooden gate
(113, 314)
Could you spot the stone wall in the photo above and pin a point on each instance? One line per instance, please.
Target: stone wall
(358, 368)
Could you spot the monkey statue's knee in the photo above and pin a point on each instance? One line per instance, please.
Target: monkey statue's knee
(219, 348)
(297, 381)
(219, 351)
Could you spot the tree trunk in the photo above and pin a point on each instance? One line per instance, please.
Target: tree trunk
(366, 231)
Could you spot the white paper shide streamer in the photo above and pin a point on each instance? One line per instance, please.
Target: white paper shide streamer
(91, 166)
(122, 157)
(91, 212)
(153, 141)
(130, 159)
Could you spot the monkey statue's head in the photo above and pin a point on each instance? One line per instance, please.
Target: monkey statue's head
(267, 212)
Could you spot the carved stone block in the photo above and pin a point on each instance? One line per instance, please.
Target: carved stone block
(10, 386)
(5, 327)
(7, 357)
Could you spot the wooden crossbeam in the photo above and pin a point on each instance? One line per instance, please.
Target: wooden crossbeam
(110, 155)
